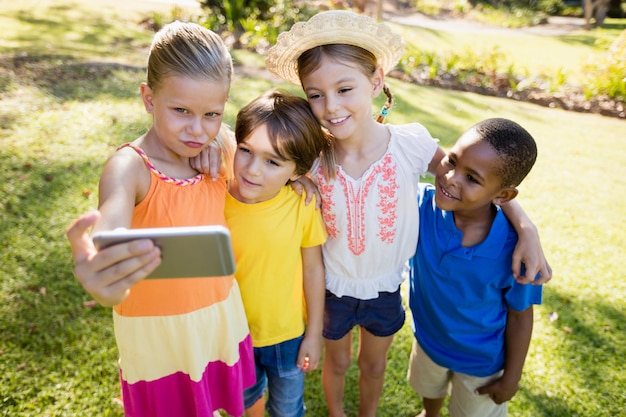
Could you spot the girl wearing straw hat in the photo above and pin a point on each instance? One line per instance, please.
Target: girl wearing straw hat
(370, 205)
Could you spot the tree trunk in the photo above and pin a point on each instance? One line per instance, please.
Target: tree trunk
(600, 12)
(595, 9)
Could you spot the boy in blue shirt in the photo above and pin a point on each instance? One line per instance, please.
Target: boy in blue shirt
(472, 320)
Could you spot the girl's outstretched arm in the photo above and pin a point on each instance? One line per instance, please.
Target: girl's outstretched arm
(109, 274)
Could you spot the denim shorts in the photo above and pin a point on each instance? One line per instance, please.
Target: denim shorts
(276, 371)
(382, 316)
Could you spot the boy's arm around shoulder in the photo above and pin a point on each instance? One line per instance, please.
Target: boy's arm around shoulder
(519, 327)
(314, 286)
(528, 251)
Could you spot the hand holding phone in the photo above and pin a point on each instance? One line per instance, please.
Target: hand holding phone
(192, 251)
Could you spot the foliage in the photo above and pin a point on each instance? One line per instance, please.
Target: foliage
(65, 105)
(551, 7)
(231, 12)
(513, 17)
(507, 13)
(607, 76)
(255, 21)
(511, 65)
(470, 67)
(547, 6)
(258, 34)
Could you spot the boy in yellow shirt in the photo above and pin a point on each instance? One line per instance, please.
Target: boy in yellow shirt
(277, 241)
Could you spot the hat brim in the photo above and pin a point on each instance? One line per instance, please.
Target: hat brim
(334, 27)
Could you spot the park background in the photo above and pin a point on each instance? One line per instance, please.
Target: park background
(69, 76)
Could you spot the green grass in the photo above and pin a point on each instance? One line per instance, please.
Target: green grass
(64, 111)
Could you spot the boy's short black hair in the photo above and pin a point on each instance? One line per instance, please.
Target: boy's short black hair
(515, 147)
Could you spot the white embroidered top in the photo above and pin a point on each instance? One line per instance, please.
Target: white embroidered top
(373, 221)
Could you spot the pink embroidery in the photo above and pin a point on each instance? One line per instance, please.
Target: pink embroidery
(388, 201)
(356, 212)
(387, 186)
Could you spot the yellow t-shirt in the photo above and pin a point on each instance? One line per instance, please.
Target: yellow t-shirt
(267, 238)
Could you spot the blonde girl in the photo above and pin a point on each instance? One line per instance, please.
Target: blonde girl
(184, 344)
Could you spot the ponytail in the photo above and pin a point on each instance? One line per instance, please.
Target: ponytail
(387, 106)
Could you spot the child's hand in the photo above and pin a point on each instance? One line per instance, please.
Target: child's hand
(529, 260)
(304, 183)
(109, 274)
(209, 161)
(500, 390)
(310, 353)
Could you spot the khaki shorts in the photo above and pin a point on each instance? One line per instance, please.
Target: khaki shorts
(433, 381)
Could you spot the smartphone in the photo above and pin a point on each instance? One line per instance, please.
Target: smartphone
(193, 251)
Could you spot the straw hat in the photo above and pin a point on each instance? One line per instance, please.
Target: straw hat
(333, 27)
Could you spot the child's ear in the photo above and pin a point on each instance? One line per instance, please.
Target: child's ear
(294, 177)
(378, 81)
(147, 96)
(505, 195)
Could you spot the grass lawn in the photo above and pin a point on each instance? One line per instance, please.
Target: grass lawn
(518, 52)
(69, 95)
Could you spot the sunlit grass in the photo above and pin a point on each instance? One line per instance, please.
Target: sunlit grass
(526, 54)
(59, 122)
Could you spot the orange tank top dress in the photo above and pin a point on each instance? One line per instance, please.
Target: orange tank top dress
(184, 344)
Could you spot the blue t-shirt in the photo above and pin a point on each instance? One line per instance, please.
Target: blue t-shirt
(459, 296)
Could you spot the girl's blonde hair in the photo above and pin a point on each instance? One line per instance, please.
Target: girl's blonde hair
(293, 130)
(190, 50)
(363, 59)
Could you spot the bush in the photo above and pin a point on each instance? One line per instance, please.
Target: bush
(547, 6)
(607, 76)
(232, 12)
(551, 7)
(255, 24)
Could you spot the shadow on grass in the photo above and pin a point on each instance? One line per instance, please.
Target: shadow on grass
(580, 39)
(46, 30)
(621, 25)
(588, 38)
(590, 336)
(546, 406)
(66, 78)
